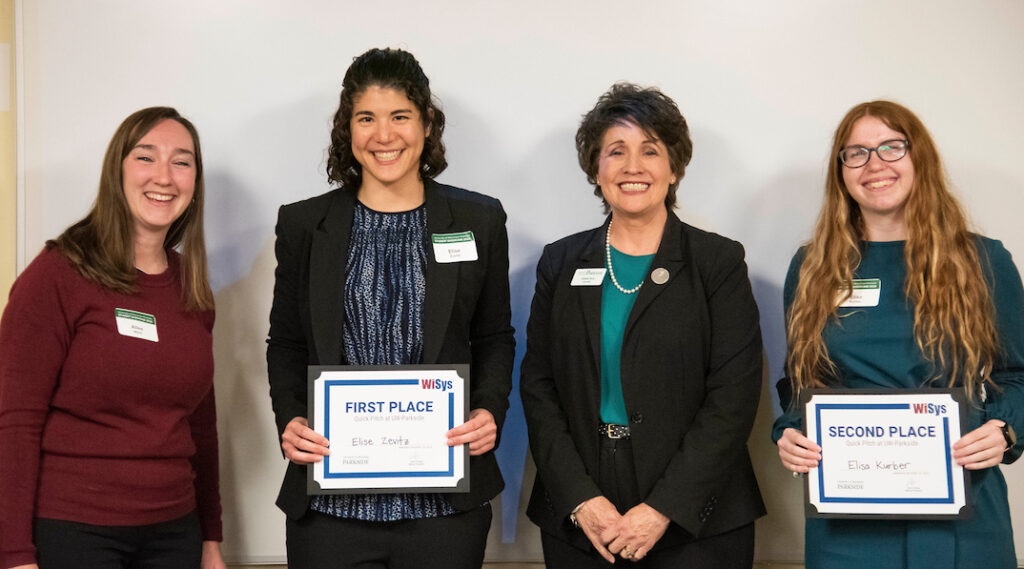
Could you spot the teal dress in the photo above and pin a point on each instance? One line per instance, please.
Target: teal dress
(874, 347)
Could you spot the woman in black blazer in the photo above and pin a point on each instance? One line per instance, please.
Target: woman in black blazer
(643, 364)
(357, 283)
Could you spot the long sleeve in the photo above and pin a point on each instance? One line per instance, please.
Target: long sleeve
(715, 444)
(205, 464)
(491, 335)
(35, 336)
(559, 463)
(1006, 400)
(287, 351)
(791, 416)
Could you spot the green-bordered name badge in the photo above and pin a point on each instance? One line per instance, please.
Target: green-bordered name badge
(454, 247)
(136, 324)
(588, 277)
(865, 293)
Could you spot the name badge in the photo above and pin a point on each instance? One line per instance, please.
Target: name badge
(865, 293)
(136, 324)
(588, 277)
(454, 247)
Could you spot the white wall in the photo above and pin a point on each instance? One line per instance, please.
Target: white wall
(762, 84)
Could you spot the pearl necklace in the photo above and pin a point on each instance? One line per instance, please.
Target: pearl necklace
(608, 258)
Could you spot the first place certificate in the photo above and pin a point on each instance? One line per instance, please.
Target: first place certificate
(885, 454)
(386, 426)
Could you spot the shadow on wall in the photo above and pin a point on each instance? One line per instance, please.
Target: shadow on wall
(514, 442)
(256, 174)
(537, 190)
(233, 228)
(778, 220)
(781, 532)
(251, 463)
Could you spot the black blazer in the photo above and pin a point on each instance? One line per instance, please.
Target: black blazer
(691, 380)
(466, 314)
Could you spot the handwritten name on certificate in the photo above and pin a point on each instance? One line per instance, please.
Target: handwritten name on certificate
(885, 454)
(386, 426)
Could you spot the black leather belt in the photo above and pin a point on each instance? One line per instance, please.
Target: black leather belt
(613, 431)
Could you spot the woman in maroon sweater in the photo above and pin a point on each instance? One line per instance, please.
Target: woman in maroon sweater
(108, 440)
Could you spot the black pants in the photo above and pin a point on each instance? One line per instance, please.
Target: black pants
(617, 478)
(177, 544)
(319, 541)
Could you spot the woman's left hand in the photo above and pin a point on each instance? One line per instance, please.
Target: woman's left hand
(638, 530)
(480, 431)
(211, 556)
(981, 448)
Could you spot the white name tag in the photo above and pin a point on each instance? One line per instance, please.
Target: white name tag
(588, 277)
(865, 293)
(454, 247)
(136, 324)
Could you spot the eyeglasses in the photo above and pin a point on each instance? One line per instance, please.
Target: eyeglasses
(889, 151)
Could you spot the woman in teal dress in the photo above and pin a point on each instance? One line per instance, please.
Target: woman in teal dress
(950, 313)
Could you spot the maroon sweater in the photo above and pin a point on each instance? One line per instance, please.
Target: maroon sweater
(96, 426)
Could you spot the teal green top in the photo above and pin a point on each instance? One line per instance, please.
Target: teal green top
(630, 270)
(874, 347)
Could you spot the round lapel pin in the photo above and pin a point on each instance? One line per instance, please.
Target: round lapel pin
(659, 276)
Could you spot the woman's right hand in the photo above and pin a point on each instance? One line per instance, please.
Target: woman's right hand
(595, 517)
(303, 445)
(797, 452)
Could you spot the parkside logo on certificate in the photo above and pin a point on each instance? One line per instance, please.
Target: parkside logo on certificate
(885, 454)
(387, 429)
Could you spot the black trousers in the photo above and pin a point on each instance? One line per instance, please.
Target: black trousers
(319, 541)
(617, 478)
(177, 544)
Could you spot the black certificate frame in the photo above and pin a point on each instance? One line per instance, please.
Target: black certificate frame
(462, 370)
(957, 395)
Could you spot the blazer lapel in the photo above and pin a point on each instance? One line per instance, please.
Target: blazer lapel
(668, 257)
(590, 296)
(442, 278)
(327, 257)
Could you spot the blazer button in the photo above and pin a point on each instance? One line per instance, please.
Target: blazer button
(637, 418)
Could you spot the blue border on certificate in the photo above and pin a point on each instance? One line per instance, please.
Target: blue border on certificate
(403, 474)
(879, 407)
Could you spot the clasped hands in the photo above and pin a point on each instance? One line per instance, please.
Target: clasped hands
(303, 445)
(631, 535)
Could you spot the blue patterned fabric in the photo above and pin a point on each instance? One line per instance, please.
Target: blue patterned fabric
(384, 291)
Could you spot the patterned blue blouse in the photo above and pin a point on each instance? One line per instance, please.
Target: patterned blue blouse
(384, 292)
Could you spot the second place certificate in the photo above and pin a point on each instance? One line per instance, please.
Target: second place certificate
(885, 453)
(386, 426)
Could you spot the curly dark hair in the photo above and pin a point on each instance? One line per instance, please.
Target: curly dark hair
(393, 69)
(646, 107)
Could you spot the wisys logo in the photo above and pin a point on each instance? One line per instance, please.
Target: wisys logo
(442, 384)
(929, 409)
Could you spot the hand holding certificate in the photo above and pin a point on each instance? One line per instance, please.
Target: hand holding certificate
(885, 454)
(388, 428)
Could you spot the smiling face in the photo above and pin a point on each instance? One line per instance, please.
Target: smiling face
(159, 177)
(634, 172)
(880, 188)
(387, 138)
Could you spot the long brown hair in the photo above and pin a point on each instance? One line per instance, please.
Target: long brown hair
(101, 246)
(954, 319)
